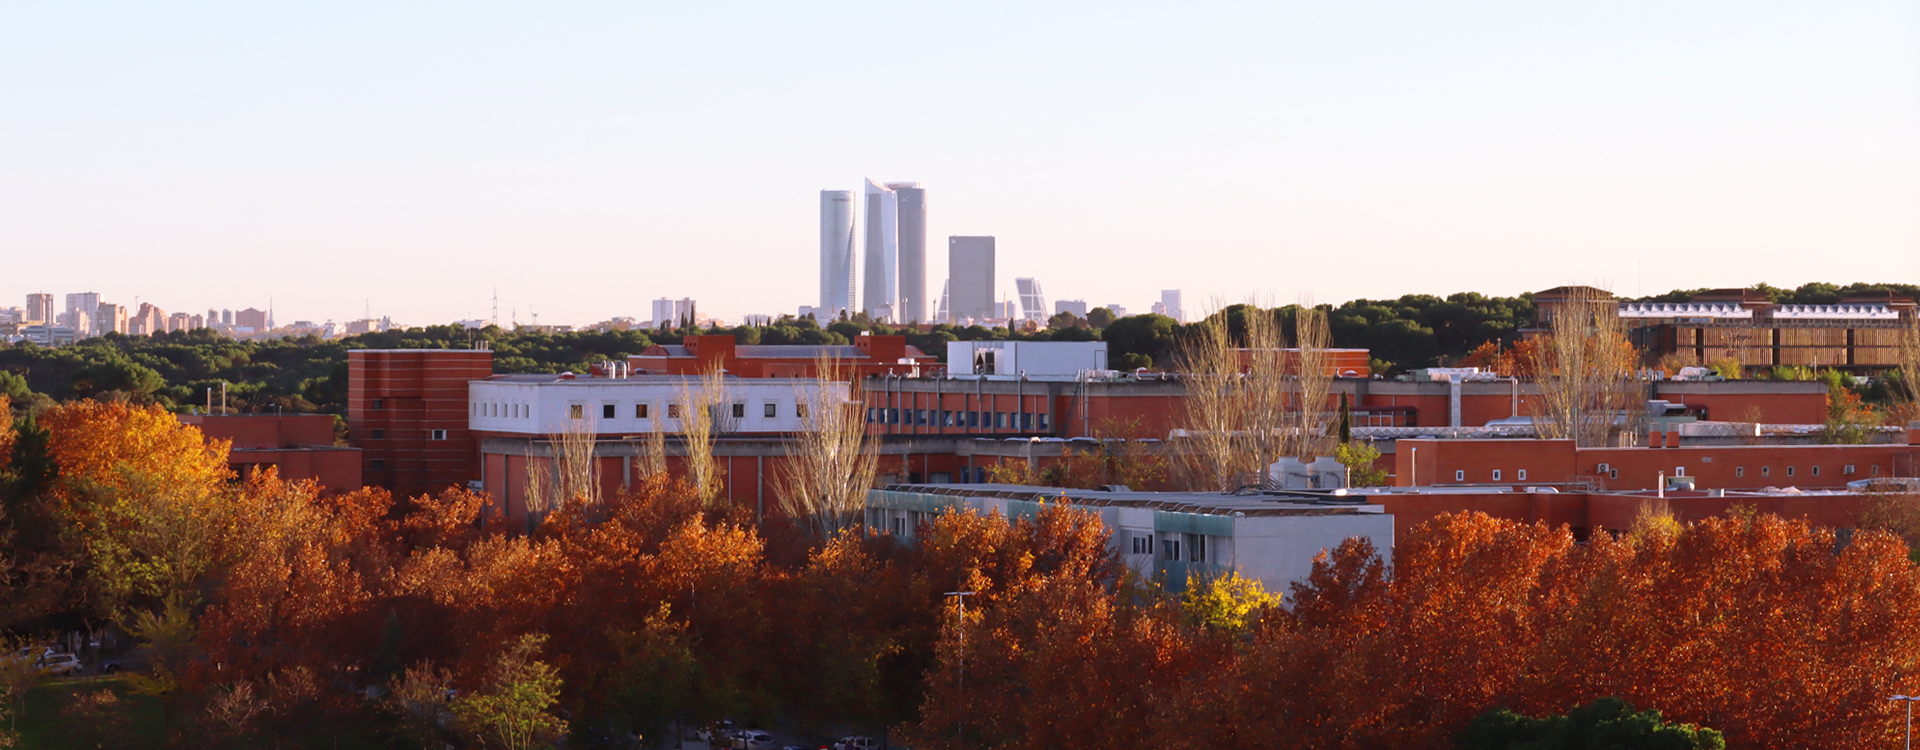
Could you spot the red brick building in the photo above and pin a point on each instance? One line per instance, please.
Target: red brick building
(867, 355)
(300, 446)
(407, 411)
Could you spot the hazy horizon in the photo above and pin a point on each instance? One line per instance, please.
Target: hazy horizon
(584, 160)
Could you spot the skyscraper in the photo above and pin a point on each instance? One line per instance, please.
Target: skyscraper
(836, 254)
(969, 278)
(1033, 302)
(1170, 300)
(881, 289)
(910, 220)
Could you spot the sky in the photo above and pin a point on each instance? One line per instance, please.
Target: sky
(577, 160)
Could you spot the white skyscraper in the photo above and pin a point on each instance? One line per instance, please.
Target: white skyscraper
(970, 277)
(880, 291)
(1033, 302)
(1170, 302)
(836, 255)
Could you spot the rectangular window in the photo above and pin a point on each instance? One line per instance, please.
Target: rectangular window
(1041, 419)
(379, 403)
(1170, 549)
(1766, 471)
(1789, 471)
(1876, 470)
(576, 411)
(673, 411)
(379, 463)
(770, 410)
(739, 411)
(1000, 420)
(379, 434)
(1496, 475)
(639, 411)
(1520, 475)
(1679, 471)
(608, 411)
(1816, 471)
(436, 434)
(1026, 421)
(800, 410)
(1846, 470)
(1196, 548)
(1739, 471)
(1459, 475)
(1613, 473)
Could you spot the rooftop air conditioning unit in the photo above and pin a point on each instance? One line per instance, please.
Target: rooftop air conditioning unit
(1603, 469)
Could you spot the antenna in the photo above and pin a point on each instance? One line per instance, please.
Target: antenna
(495, 320)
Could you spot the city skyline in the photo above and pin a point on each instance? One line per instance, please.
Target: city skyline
(188, 153)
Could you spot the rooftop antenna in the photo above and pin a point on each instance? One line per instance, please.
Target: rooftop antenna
(495, 319)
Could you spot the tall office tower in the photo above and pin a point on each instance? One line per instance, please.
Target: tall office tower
(836, 254)
(910, 221)
(213, 318)
(1033, 302)
(40, 308)
(1076, 306)
(1117, 310)
(1170, 300)
(673, 313)
(941, 313)
(970, 278)
(226, 317)
(881, 288)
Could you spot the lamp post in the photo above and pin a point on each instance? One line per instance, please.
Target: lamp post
(960, 619)
(1908, 699)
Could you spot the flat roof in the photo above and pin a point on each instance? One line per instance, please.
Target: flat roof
(1268, 503)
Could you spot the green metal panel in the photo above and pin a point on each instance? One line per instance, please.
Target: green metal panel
(1168, 522)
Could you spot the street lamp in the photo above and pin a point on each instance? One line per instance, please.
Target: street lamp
(1908, 699)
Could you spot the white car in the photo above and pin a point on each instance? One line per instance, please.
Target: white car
(61, 664)
(752, 739)
(857, 742)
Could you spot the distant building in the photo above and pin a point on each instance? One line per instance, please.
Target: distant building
(970, 278)
(1076, 306)
(910, 222)
(226, 317)
(196, 323)
(756, 320)
(1170, 306)
(39, 308)
(881, 286)
(836, 254)
(1118, 311)
(672, 313)
(252, 318)
(179, 322)
(84, 302)
(1006, 310)
(48, 334)
(1033, 302)
(1029, 360)
(112, 319)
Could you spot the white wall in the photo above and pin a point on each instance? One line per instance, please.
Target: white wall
(1037, 359)
(542, 408)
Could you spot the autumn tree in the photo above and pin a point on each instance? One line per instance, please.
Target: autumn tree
(514, 708)
(822, 485)
(1590, 391)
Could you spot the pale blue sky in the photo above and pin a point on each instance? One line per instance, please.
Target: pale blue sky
(585, 158)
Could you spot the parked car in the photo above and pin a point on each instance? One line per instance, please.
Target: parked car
(36, 653)
(715, 731)
(752, 739)
(61, 664)
(857, 742)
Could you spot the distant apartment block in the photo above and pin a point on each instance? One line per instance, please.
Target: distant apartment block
(1119, 311)
(1076, 306)
(258, 320)
(672, 313)
(112, 319)
(39, 308)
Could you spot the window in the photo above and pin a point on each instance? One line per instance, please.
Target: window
(607, 411)
(1739, 471)
(770, 410)
(436, 434)
(1679, 471)
(1196, 548)
(1766, 471)
(1613, 473)
(379, 434)
(1143, 545)
(1846, 470)
(1496, 475)
(800, 410)
(872, 414)
(739, 411)
(1520, 475)
(1789, 471)
(1026, 421)
(1876, 470)
(899, 527)
(379, 403)
(1170, 549)
(673, 411)
(576, 411)
(1000, 420)
(1816, 471)
(379, 463)
(1459, 475)
(1041, 419)
(639, 411)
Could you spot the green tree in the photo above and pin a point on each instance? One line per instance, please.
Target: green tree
(1605, 724)
(515, 708)
(1226, 602)
(1136, 337)
(1360, 458)
(1100, 317)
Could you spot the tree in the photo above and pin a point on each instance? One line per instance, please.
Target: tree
(1063, 319)
(1362, 462)
(514, 708)
(699, 404)
(1226, 602)
(1100, 317)
(1146, 339)
(1607, 723)
(1589, 390)
(822, 485)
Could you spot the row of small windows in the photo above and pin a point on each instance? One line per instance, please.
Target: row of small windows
(1520, 475)
(994, 420)
(768, 410)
